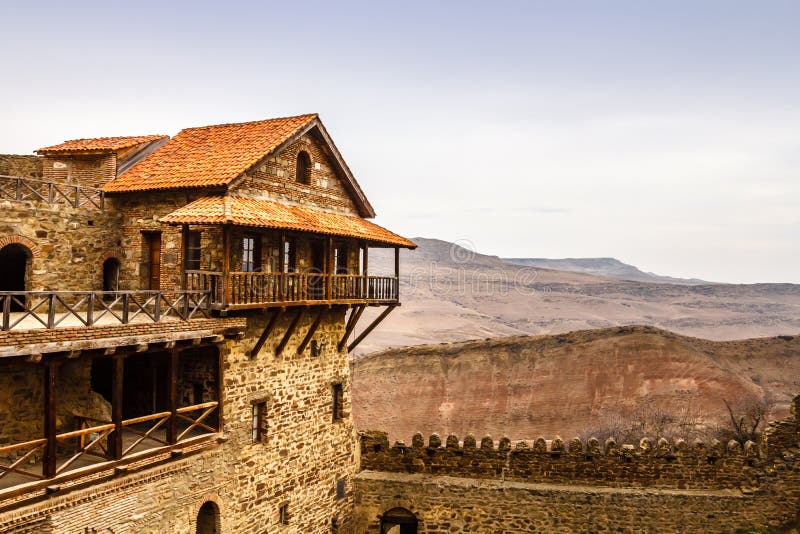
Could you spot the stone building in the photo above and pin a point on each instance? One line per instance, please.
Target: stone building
(176, 319)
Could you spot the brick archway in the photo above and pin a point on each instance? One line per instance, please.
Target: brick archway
(36, 252)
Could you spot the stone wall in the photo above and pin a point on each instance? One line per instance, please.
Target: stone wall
(575, 487)
(275, 179)
(19, 165)
(299, 463)
(69, 244)
(662, 464)
(461, 505)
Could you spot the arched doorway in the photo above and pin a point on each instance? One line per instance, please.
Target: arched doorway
(208, 518)
(399, 521)
(13, 267)
(111, 274)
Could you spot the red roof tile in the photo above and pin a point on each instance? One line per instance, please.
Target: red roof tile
(242, 211)
(99, 144)
(209, 156)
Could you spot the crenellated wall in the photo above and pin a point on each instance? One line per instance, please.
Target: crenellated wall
(466, 486)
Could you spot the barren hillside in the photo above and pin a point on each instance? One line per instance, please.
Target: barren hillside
(451, 294)
(526, 386)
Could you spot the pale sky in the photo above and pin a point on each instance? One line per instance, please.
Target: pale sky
(662, 133)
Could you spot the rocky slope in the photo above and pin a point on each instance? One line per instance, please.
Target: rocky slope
(525, 386)
(606, 267)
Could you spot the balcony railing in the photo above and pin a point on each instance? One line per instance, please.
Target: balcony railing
(49, 309)
(85, 451)
(78, 196)
(249, 289)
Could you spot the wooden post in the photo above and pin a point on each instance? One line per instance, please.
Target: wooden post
(184, 250)
(226, 265)
(366, 270)
(117, 376)
(172, 426)
(282, 269)
(50, 378)
(397, 273)
(330, 267)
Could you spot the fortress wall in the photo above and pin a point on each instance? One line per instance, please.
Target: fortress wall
(584, 487)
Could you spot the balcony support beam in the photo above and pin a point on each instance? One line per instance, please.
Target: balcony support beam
(172, 425)
(117, 379)
(311, 331)
(355, 315)
(289, 332)
(371, 327)
(267, 331)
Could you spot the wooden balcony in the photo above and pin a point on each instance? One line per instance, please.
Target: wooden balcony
(22, 310)
(249, 290)
(78, 196)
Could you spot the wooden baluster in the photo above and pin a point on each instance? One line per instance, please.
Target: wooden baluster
(51, 310)
(7, 311)
(90, 309)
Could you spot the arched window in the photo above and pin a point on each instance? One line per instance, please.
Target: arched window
(302, 172)
(14, 263)
(208, 519)
(399, 521)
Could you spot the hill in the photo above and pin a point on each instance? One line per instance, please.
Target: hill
(453, 294)
(527, 386)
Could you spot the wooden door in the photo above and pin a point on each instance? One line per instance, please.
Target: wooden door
(153, 246)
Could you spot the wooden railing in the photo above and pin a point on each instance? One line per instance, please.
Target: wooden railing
(206, 281)
(49, 309)
(247, 288)
(91, 440)
(77, 196)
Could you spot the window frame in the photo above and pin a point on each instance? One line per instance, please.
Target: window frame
(303, 177)
(259, 422)
(251, 256)
(192, 249)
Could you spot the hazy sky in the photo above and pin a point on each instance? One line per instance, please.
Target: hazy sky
(666, 134)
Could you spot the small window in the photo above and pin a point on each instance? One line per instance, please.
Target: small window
(259, 422)
(340, 489)
(338, 402)
(251, 254)
(283, 514)
(192, 261)
(303, 168)
(289, 256)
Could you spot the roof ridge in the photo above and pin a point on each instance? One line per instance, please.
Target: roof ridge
(113, 137)
(260, 121)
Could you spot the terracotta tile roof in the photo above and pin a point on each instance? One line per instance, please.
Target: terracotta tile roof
(242, 211)
(209, 156)
(99, 144)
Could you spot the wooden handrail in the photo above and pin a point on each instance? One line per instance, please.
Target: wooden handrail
(22, 188)
(51, 308)
(25, 444)
(145, 418)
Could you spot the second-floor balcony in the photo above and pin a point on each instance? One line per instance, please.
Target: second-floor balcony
(245, 290)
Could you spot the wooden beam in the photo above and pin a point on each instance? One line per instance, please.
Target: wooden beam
(172, 425)
(226, 264)
(265, 334)
(282, 268)
(184, 250)
(117, 376)
(397, 271)
(311, 331)
(289, 332)
(355, 315)
(50, 379)
(370, 328)
(330, 269)
(365, 274)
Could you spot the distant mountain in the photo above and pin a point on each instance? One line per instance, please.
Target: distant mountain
(450, 293)
(607, 267)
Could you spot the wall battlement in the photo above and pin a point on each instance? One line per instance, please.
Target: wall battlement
(659, 464)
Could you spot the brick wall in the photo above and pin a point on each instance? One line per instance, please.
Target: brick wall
(88, 170)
